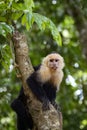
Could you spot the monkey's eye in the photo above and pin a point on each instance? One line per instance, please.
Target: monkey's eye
(56, 60)
(51, 60)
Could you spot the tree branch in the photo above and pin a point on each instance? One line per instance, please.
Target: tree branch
(43, 120)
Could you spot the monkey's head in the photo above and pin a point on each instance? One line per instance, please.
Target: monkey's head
(54, 61)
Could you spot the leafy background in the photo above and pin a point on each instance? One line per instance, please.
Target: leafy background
(34, 19)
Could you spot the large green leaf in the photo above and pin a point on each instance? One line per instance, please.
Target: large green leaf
(45, 23)
(27, 20)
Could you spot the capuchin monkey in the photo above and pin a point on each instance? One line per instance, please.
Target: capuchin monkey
(43, 82)
(46, 80)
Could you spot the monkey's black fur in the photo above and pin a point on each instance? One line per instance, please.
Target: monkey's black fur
(44, 92)
(24, 119)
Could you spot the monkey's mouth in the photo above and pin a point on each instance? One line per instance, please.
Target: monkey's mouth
(54, 67)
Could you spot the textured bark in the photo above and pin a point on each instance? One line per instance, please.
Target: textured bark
(44, 120)
(74, 9)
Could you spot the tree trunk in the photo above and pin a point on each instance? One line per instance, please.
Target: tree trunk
(43, 120)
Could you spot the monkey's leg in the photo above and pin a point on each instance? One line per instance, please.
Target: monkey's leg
(24, 119)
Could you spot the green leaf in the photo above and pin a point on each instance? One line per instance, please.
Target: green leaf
(23, 21)
(55, 33)
(5, 29)
(17, 15)
(18, 7)
(27, 20)
(29, 4)
(41, 21)
(45, 23)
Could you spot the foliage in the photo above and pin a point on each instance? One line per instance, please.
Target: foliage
(26, 13)
(23, 11)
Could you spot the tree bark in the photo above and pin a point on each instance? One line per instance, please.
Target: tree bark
(43, 120)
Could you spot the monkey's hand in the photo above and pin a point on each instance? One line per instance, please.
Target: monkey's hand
(45, 105)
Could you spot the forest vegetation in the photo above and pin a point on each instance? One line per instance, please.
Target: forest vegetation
(50, 25)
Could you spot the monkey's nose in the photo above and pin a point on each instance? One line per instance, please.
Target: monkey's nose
(55, 67)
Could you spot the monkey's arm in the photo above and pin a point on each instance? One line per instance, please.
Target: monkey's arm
(38, 90)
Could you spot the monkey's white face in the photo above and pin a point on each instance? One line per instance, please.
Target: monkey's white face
(54, 61)
(51, 69)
